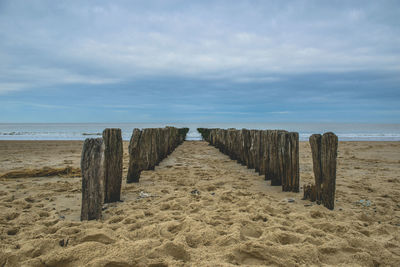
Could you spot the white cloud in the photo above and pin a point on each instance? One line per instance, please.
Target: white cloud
(11, 87)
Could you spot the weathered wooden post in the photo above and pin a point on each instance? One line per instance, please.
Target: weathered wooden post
(235, 145)
(240, 147)
(153, 148)
(329, 145)
(324, 153)
(92, 166)
(274, 169)
(173, 141)
(246, 146)
(250, 163)
(135, 163)
(164, 142)
(268, 155)
(283, 160)
(289, 161)
(231, 143)
(310, 193)
(160, 145)
(295, 161)
(211, 136)
(257, 149)
(113, 153)
(263, 151)
(220, 135)
(224, 141)
(315, 192)
(145, 148)
(170, 139)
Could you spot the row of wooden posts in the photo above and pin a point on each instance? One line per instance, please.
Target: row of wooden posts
(272, 153)
(275, 154)
(149, 146)
(102, 163)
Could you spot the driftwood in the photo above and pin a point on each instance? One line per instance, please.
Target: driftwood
(92, 166)
(43, 172)
(324, 153)
(113, 153)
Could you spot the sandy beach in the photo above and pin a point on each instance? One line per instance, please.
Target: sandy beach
(199, 208)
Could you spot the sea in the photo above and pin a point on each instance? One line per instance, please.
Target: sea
(81, 131)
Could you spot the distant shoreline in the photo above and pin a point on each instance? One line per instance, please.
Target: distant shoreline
(81, 131)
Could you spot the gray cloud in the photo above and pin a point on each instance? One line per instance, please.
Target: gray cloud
(199, 60)
(101, 42)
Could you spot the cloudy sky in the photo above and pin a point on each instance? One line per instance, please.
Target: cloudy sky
(199, 61)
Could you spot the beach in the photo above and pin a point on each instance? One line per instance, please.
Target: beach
(199, 208)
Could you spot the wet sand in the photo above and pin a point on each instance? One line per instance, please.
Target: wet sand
(199, 208)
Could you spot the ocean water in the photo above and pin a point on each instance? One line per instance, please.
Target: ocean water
(81, 131)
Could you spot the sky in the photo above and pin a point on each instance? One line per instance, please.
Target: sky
(199, 61)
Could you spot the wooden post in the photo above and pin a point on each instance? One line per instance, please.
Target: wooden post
(275, 158)
(224, 141)
(165, 142)
(315, 143)
(310, 192)
(246, 147)
(324, 153)
(135, 164)
(235, 144)
(113, 153)
(153, 148)
(175, 140)
(263, 151)
(160, 146)
(281, 177)
(145, 148)
(329, 145)
(251, 149)
(294, 164)
(229, 143)
(289, 161)
(269, 157)
(241, 148)
(232, 143)
(257, 149)
(92, 166)
(170, 139)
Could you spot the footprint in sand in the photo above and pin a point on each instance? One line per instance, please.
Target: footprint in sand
(177, 251)
(98, 237)
(287, 238)
(250, 231)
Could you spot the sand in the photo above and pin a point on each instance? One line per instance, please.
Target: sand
(199, 208)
